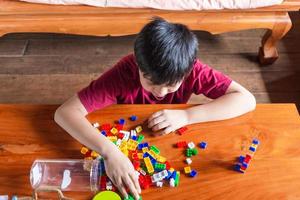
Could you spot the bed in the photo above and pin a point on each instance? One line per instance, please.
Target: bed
(17, 16)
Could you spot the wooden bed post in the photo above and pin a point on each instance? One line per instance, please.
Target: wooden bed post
(267, 52)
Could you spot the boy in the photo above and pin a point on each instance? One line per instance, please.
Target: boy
(163, 69)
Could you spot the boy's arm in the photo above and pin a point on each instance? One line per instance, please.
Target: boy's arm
(71, 117)
(236, 101)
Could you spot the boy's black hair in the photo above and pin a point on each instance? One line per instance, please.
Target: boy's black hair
(165, 52)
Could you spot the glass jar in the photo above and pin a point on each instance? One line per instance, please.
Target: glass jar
(66, 174)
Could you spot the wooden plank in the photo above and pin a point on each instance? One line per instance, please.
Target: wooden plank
(12, 47)
(98, 64)
(57, 88)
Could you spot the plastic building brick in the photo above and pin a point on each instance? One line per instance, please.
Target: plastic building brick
(187, 170)
(160, 166)
(252, 149)
(133, 118)
(138, 129)
(155, 149)
(159, 184)
(149, 165)
(132, 145)
(172, 182)
(94, 154)
(203, 145)
(255, 141)
(191, 145)
(189, 152)
(145, 149)
(193, 173)
(84, 150)
(132, 133)
(122, 121)
(194, 152)
(140, 138)
(188, 161)
(134, 137)
(182, 130)
(114, 131)
(177, 178)
(142, 145)
(106, 127)
(181, 144)
(103, 132)
(168, 165)
(96, 125)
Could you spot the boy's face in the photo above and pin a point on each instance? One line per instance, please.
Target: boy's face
(158, 91)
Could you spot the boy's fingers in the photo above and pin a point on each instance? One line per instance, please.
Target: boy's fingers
(154, 115)
(160, 126)
(155, 121)
(165, 131)
(131, 187)
(121, 189)
(135, 179)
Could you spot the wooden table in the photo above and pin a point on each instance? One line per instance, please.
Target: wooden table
(28, 132)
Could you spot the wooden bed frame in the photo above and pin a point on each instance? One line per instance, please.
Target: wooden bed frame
(16, 16)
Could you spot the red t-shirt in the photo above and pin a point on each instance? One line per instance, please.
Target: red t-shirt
(121, 85)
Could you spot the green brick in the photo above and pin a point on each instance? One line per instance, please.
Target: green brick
(159, 166)
(155, 149)
(189, 153)
(177, 179)
(140, 138)
(195, 151)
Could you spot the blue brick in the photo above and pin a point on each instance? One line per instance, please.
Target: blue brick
(193, 173)
(202, 145)
(252, 149)
(169, 175)
(134, 137)
(122, 121)
(133, 118)
(103, 133)
(255, 141)
(241, 159)
(245, 165)
(174, 174)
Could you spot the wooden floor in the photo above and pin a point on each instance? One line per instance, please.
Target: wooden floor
(49, 68)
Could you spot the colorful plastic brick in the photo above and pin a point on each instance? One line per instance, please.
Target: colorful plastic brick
(177, 178)
(193, 173)
(149, 165)
(132, 144)
(103, 132)
(189, 152)
(160, 166)
(194, 151)
(138, 129)
(191, 145)
(159, 184)
(140, 138)
(182, 130)
(155, 149)
(255, 141)
(133, 118)
(172, 182)
(188, 161)
(181, 144)
(203, 145)
(96, 125)
(143, 145)
(84, 150)
(122, 121)
(187, 170)
(114, 131)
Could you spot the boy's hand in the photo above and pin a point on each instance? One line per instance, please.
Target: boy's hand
(122, 174)
(167, 121)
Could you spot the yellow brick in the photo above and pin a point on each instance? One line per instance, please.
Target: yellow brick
(171, 169)
(140, 155)
(84, 150)
(187, 170)
(161, 159)
(132, 144)
(112, 138)
(138, 129)
(149, 165)
(114, 131)
(145, 149)
(94, 154)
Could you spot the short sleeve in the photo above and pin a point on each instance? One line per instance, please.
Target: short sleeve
(103, 91)
(210, 82)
